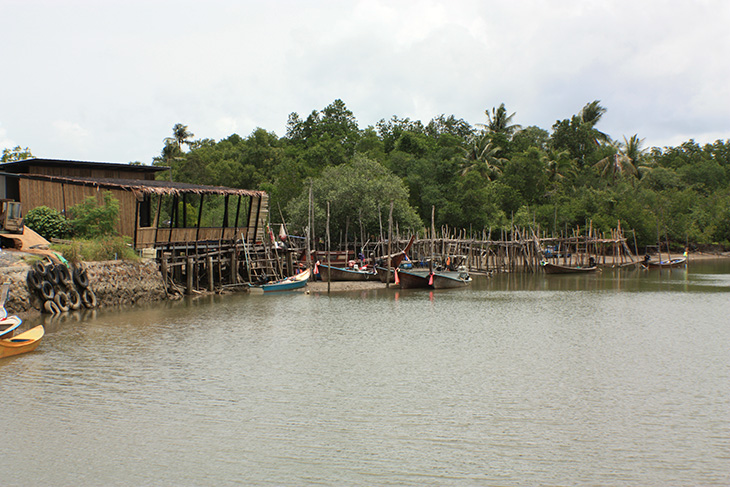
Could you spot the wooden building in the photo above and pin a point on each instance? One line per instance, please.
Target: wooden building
(154, 213)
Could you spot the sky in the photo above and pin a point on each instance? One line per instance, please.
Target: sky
(105, 81)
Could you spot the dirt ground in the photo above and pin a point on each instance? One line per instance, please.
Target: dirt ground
(321, 286)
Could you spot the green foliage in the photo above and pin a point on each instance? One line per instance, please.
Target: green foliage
(358, 193)
(99, 249)
(478, 178)
(15, 154)
(91, 220)
(47, 222)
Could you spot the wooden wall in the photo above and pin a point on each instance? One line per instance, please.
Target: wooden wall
(61, 196)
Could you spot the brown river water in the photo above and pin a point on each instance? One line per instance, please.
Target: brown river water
(619, 378)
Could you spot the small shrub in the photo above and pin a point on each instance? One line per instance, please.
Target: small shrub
(90, 220)
(72, 252)
(47, 222)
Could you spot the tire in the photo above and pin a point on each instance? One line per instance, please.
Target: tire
(74, 299)
(51, 307)
(61, 300)
(47, 291)
(52, 275)
(40, 269)
(88, 298)
(81, 278)
(34, 281)
(64, 275)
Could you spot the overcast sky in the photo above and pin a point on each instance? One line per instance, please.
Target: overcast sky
(105, 80)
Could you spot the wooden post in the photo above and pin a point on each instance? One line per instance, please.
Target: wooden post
(234, 265)
(390, 241)
(209, 266)
(163, 269)
(329, 256)
(189, 276)
(309, 234)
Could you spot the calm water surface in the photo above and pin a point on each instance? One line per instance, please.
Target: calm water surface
(620, 378)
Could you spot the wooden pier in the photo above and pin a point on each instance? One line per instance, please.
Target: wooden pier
(213, 266)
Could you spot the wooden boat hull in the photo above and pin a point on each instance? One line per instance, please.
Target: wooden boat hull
(414, 279)
(341, 274)
(565, 269)
(678, 262)
(450, 281)
(23, 343)
(292, 283)
(383, 274)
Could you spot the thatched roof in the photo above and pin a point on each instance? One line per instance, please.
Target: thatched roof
(141, 185)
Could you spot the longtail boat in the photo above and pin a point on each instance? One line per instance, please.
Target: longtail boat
(655, 264)
(333, 273)
(395, 260)
(567, 269)
(411, 279)
(450, 279)
(292, 283)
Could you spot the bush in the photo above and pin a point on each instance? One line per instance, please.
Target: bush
(89, 220)
(47, 222)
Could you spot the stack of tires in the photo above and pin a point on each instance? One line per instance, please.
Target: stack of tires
(59, 288)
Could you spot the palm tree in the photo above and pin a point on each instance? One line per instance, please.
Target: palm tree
(500, 122)
(481, 155)
(558, 165)
(626, 160)
(181, 135)
(590, 115)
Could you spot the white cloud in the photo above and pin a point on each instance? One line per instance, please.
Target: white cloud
(125, 72)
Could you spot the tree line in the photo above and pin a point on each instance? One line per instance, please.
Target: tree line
(488, 175)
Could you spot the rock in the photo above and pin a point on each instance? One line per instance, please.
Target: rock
(115, 283)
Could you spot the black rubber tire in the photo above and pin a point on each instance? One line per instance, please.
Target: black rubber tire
(51, 307)
(61, 300)
(47, 291)
(40, 269)
(64, 275)
(74, 299)
(52, 275)
(88, 298)
(34, 281)
(81, 278)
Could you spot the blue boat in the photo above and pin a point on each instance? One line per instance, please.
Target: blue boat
(292, 283)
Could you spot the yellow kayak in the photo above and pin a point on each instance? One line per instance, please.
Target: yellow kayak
(25, 342)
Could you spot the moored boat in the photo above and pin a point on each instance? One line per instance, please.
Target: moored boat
(22, 343)
(550, 268)
(413, 279)
(333, 273)
(292, 283)
(395, 261)
(450, 279)
(655, 264)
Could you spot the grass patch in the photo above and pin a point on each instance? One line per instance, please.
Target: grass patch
(102, 248)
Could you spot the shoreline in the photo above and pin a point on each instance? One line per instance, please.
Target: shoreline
(126, 283)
